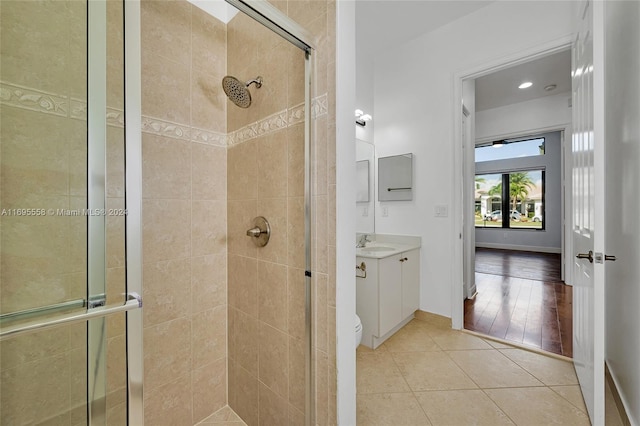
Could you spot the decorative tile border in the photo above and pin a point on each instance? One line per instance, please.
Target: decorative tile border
(280, 120)
(64, 106)
(33, 100)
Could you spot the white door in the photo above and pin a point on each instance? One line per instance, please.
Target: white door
(588, 206)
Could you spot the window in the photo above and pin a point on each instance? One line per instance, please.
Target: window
(520, 193)
(507, 149)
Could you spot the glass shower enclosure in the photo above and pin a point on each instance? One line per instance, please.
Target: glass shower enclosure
(70, 214)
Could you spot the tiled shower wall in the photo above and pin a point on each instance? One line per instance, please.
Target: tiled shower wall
(184, 213)
(265, 178)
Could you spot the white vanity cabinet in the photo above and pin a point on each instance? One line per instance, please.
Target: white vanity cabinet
(389, 296)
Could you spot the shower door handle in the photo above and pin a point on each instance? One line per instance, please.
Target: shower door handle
(134, 301)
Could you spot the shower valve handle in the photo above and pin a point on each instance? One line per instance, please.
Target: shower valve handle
(255, 232)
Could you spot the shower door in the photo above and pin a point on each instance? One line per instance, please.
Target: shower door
(69, 222)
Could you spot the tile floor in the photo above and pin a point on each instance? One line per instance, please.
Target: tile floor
(428, 374)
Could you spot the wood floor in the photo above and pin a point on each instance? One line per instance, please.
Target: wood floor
(522, 299)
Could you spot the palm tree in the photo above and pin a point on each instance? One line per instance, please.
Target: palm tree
(479, 180)
(519, 185)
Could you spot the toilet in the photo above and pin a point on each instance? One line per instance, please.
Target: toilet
(358, 331)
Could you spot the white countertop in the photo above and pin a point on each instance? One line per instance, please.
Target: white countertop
(388, 245)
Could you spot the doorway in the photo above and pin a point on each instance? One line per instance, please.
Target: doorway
(514, 208)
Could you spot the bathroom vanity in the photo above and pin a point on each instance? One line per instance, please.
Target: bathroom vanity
(387, 286)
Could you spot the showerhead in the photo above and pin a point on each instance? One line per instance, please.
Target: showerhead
(238, 92)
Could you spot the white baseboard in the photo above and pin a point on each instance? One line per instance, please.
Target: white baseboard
(519, 247)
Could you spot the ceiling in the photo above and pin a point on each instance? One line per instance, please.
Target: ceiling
(501, 87)
(383, 24)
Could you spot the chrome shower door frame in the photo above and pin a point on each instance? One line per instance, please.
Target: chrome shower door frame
(269, 16)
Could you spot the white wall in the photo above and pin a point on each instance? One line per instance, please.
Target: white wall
(414, 91)
(365, 212)
(542, 114)
(549, 239)
(345, 218)
(622, 127)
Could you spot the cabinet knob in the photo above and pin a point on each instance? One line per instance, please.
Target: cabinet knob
(403, 259)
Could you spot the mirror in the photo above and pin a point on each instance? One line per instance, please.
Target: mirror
(365, 184)
(395, 178)
(362, 181)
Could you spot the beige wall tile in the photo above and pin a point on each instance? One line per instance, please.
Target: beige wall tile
(32, 35)
(272, 65)
(209, 385)
(272, 294)
(274, 410)
(209, 172)
(306, 11)
(246, 343)
(209, 336)
(78, 158)
(209, 42)
(296, 417)
(240, 215)
(320, 322)
(166, 87)
(32, 392)
(320, 150)
(166, 167)
(275, 211)
(208, 227)
(209, 102)
(247, 395)
(35, 156)
(115, 55)
(331, 269)
(295, 71)
(167, 352)
(116, 234)
(170, 404)
(296, 302)
(331, 216)
(243, 284)
(322, 388)
(331, 335)
(321, 234)
(166, 230)
(272, 165)
(242, 175)
(273, 359)
(167, 291)
(208, 282)
(296, 373)
(166, 29)
(115, 163)
(295, 232)
(116, 371)
(295, 151)
(34, 347)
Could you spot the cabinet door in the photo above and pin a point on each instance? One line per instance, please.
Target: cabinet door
(390, 288)
(410, 282)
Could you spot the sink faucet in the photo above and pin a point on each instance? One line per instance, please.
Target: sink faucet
(364, 239)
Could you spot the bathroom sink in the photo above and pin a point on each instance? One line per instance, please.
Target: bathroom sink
(378, 248)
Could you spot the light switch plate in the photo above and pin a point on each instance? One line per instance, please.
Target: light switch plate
(385, 211)
(441, 210)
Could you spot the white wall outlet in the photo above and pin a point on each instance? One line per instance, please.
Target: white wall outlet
(441, 210)
(385, 211)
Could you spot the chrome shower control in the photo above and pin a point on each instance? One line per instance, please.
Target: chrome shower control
(260, 232)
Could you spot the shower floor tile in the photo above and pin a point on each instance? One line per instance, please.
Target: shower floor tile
(224, 416)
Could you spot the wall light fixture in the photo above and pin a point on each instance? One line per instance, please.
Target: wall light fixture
(362, 118)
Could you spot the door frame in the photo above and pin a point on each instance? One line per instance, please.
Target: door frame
(461, 228)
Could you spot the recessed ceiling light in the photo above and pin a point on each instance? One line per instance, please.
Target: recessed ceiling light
(525, 85)
(550, 87)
